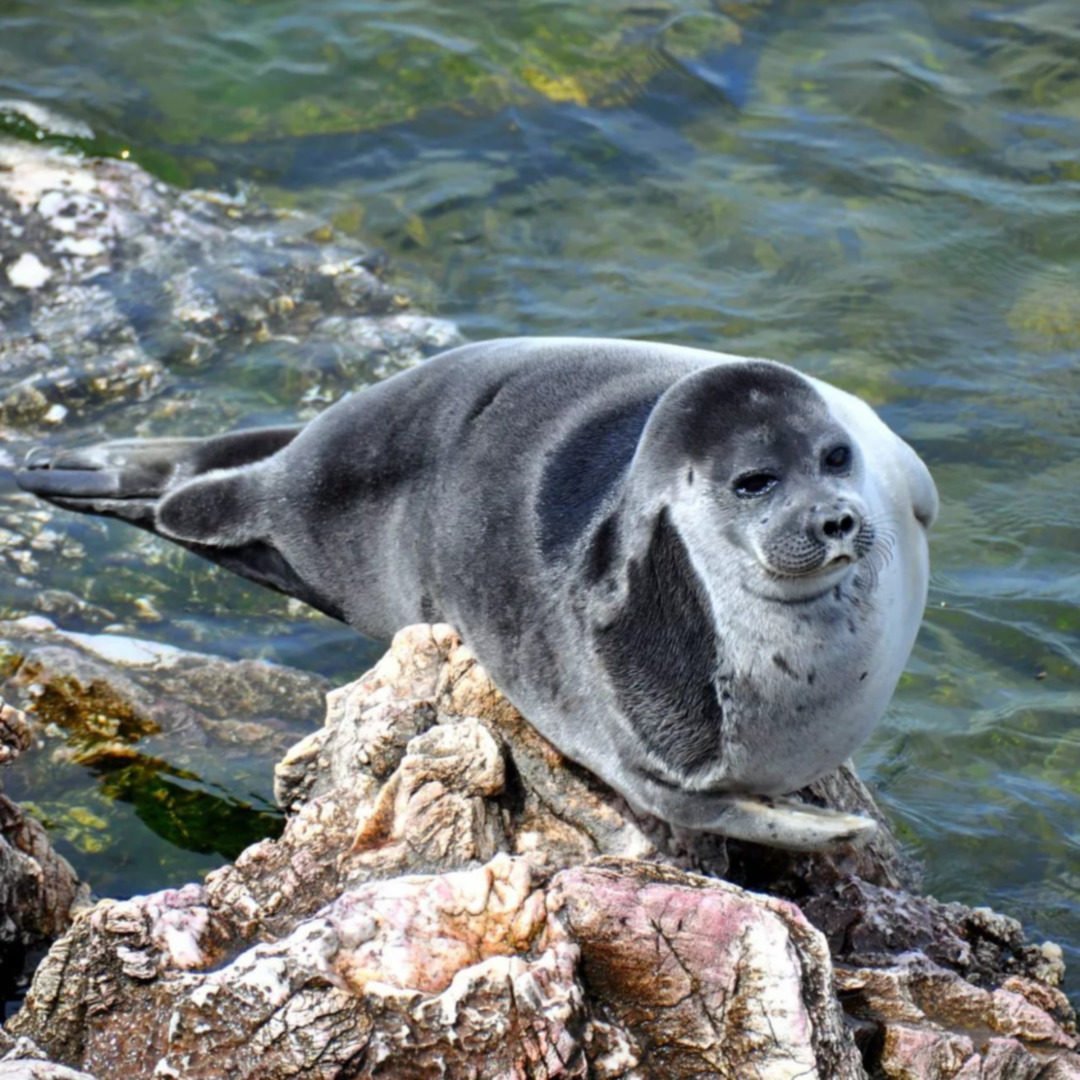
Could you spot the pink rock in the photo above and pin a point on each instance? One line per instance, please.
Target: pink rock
(703, 975)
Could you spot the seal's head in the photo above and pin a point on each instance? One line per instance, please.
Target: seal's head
(758, 471)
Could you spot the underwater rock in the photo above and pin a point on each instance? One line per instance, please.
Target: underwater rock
(126, 727)
(452, 897)
(112, 280)
(112, 691)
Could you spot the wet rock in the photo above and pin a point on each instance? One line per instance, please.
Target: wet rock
(15, 734)
(113, 280)
(450, 897)
(39, 890)
(111, 691)
(41, 121)
(182, 740)
(869, 925)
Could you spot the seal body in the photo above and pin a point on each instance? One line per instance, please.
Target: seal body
(698, 575)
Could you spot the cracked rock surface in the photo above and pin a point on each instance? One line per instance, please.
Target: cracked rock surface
(451, 898)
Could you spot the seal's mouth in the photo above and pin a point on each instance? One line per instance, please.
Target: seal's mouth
(798, 567)
(811, 573)
(805, 587)
(793, 556)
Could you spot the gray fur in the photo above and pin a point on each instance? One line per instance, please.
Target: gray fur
(585, 512)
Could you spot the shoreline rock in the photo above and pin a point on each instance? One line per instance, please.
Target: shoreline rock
(116, 692)
(39, 890)
(114, 284)
(451, 897)
(129, 729)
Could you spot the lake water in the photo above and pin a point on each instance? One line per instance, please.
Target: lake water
(883, 193)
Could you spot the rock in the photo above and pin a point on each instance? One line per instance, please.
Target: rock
(23, 1059)
(15, 734)
(115, 690)
(22, 1069)
(113, 279)
(126, 728)
(933, 1023)
(703, 978)
(450, 897)
(28, 272)
(39, 890)
(870, 925)
(478, 972)
(42, 121)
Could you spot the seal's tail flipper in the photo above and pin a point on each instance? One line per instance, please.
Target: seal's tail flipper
(129, 478)
(119, 479)
(195, 492)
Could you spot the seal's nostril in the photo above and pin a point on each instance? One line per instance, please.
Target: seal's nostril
(836, 528)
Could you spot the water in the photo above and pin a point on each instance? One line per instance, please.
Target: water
(883, 193)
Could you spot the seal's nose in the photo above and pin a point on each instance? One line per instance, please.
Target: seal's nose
(835, 524)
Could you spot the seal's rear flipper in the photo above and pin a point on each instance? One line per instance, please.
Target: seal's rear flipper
(791, 825)
(118, 479)
(195, 492)
(128, 478)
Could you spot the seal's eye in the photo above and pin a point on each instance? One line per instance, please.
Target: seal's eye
(750, 485)
(838, 458)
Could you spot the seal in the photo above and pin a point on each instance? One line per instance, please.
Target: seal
(698, 575)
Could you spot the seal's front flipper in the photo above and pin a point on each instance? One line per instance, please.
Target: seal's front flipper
(787, 824)
(775, 822)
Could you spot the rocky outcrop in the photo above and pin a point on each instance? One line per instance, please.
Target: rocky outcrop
(23, 1059)
(111, 282)
(39, 890)
(450, 897)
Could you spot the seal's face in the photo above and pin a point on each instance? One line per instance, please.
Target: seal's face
(790, 501)
(777, 479)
